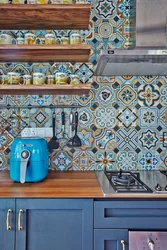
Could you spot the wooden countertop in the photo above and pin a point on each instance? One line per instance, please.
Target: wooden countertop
(56, 185)
(63, 185)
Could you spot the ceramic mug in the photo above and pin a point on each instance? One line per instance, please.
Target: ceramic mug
(38, 78)
(4, 79)
(50, 79)
(50, 39)
(61, 78)
(20, 40)
(74, 79)
(75, 38)
(13, 78)
(5, 39)
(27, 79)
(63, 40)
(30, 38)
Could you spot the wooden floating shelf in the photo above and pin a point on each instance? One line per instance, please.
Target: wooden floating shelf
(79, 89)
(44, 53)
(45, 16)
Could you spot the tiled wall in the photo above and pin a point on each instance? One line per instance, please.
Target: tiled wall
(122, 123)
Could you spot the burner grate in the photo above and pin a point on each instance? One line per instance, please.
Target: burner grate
(134, 186)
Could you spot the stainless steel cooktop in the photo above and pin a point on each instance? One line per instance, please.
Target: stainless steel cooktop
(133, 181)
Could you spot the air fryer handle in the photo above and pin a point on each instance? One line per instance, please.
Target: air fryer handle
(24, 156)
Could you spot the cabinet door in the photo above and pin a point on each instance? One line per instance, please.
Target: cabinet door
(7, 214)
(108, 239)
(49, 224)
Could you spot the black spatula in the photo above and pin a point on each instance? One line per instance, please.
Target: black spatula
(76, 141)
(53, 143)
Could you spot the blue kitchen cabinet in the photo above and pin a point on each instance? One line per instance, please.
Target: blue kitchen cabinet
(7, 224)
(108, 239)
(49, 224)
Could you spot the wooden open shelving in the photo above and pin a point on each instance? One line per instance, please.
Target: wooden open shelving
(78, 89)
(47, 16)
(44, 53)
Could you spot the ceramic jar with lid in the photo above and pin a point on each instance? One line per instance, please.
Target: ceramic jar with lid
(38, 78)
(13, 78)
(61, 78)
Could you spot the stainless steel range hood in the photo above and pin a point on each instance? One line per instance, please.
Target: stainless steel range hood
(149, 57)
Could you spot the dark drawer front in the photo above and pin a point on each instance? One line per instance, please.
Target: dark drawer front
(130, 214)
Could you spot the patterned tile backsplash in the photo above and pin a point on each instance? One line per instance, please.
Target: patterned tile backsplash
(122, 122)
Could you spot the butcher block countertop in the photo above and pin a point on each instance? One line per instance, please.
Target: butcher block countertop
(62, 185)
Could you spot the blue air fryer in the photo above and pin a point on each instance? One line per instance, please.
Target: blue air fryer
(29, 160)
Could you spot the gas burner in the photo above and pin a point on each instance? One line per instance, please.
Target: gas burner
(124, 180)
(127, 182)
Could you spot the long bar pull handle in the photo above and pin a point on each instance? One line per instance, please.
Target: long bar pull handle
(8, 226)
(20, 227)
(123, 244)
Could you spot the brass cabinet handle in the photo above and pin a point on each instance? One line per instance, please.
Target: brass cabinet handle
(20, 227)
(8, 227)
(123, 244)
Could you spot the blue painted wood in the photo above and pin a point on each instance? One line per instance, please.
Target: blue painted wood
(7, 237)
(59, 224)
(130, 214)
(110, 239)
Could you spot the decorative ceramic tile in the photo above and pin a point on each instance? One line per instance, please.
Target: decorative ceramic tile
(105, 140)
(149, 117)
(127, 117)
(84, 71)
(105, 160)
(127, 160)
(83, 160)
(40, 117)
(87, 139)
(41, 100)
(61, 160)
(148, 95)
(85, 117)
(20, 100)
(105, 117)
(149, 160)
(19, 118)
(105, 95)
(127, 139)
(125, 8)
(105, 8)
(44, 68)
(83, 100)
(148, 139)
(127, 95)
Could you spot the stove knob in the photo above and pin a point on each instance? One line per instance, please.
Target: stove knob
(158, 187)
(151, 244)
(166, 188)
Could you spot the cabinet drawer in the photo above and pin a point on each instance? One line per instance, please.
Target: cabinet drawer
(107, 239)
(130, 214)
